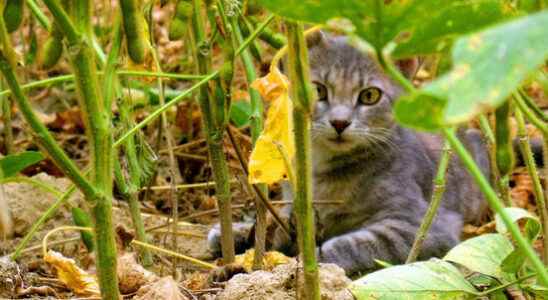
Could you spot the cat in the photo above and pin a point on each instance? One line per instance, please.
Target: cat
(381, 172)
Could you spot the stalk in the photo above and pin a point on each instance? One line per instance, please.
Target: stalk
(43, 136)
(530, 115)
(205, 79)
(38, 14)
(496, 204)
(437, 196)
(529, 160)
(532, 105)
(491, 144)
(491, 196)
(129, 187)
(504, 150)
(256, 128)
(7, 118)
(173, 167)
(301, 94)
(98, 131)
(214, 136)
(6, 102)
(49, 212)
(274, 39)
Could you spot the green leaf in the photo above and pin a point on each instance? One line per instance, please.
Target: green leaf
(483, 254)
(446, 22)
(423, 26)
(515, 260)
(240, 113)
(532, 226)
(82, 219)
(487, 67)
(408, 110)
(12, 164)
(433, 279)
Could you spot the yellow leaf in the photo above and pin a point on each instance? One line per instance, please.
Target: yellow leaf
(72, 276)
(266, 164)
(270, 260)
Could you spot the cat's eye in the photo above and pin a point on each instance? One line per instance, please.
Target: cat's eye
(370, 96)
(321, 91)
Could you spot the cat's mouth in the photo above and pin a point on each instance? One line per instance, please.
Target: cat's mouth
(338, 140)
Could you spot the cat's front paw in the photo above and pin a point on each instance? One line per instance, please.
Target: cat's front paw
(241, 233)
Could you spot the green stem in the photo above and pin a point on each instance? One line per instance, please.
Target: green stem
(97, 121)
(274, 39)
(36, 183)
(256, 128)
(532, 105)
(527, 153)
(301, 94)
(491, 142)
(496, 204)
(40, 16)
(70, 77)
(530, 115)
(44, 137)
(504, 286)
(190, 90)
(7, 120)
(49, 212)
(214, 136)
(437, 196)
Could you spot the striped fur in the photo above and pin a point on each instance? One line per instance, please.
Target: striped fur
(382, 172)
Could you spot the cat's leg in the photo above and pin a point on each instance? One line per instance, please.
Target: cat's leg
(243, 239)
(388, 240)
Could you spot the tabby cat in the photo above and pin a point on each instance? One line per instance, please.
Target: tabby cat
(380, 171)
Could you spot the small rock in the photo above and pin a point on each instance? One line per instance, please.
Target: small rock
(281, 284)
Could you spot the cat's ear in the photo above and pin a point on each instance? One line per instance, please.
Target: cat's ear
(316, 38)
(408, 66)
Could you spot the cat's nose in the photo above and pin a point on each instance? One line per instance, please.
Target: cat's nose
(339, 125)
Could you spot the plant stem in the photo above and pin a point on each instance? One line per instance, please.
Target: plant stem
(532, 105)
(174, 172)
(493, 200)
(37, 12)
(214, 135)
(256, 128)
(529, 160)
(97, 122)
(301, 94)
(530, 115)
(49, 212)
(437, 196)
(505, 285)
(496, 204)
(491, 144)
(44, 137)
(7, 119)
(190, 90)
(69, 77)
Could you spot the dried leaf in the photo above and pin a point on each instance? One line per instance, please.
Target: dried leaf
(271, 259)
(266, 164)
(131, 275)
(72, 276)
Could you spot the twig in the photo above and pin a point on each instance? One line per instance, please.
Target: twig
(437, 196)
(192, 260)
(529, 160)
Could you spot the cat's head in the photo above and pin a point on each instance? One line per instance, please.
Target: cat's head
(354, 96)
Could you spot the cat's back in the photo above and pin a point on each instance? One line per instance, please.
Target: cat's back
(461, 192)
